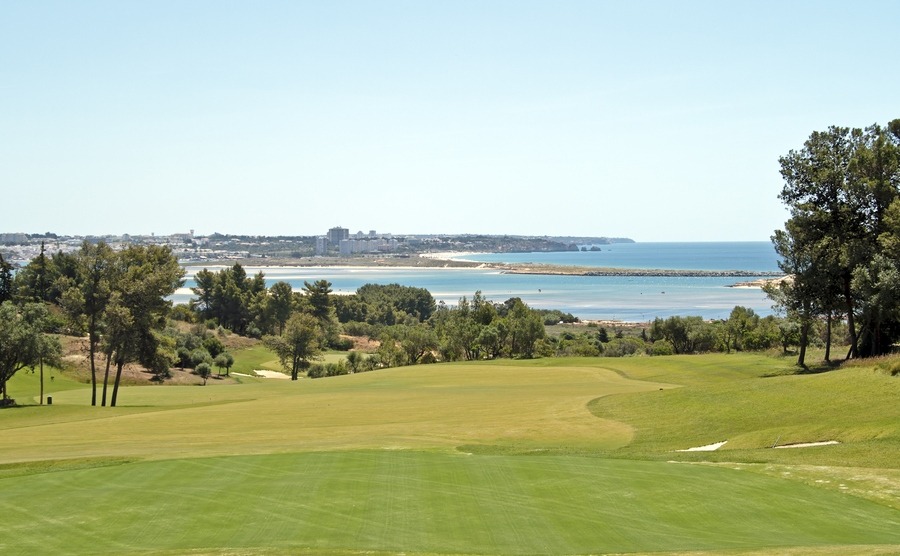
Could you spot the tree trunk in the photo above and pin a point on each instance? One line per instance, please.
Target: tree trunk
(42, 381)
(115, 392)
(106, 379)
(805, 323)
(92, 343)
(804, 338)
(828, 338)
(851, 324)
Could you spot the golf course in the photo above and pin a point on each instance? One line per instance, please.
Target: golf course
(543, 456)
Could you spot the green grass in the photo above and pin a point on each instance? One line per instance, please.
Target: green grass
(753, 411)
(429, 502)
(256, 357)
(552, 456)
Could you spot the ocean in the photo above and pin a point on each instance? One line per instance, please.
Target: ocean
(753, 256)
(622, 298)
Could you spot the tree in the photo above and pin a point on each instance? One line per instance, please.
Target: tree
(203, 371)
(6, 280)
(839, 188)
(224, 361)
(457, 331)
(229, 297)
(413, 341)
(686, 334)
(490, 340)
(739, 325)
(280, 303)
(23, 342)
(602, 335)
(525, 329)
(200, 355)
(89, 294)
(317, 293)
(204, 290)
(382, 304)
(40, 279)
(150, 274)
(354, 361)
(298, 345)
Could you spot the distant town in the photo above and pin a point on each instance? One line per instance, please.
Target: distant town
(19, 248)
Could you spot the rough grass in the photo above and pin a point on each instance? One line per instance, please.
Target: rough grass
(556, 456)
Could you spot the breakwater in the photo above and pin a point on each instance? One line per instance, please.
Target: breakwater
(623, 272)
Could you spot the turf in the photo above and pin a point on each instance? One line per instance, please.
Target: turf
(555, 456)
(429, 502)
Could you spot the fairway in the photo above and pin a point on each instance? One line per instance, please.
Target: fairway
(555, 456)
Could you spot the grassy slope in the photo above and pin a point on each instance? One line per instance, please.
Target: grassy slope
(728, 400)
(378, 462)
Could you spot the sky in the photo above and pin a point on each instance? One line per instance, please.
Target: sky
(658, 121)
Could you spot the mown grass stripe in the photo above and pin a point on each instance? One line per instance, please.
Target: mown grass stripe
(422, 502)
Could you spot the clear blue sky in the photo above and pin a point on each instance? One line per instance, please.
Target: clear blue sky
(660, 121)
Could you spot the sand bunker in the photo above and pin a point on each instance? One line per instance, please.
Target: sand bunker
(808, 444)
(264, 374)
(707, 448)
(270, 374)
(717, 445)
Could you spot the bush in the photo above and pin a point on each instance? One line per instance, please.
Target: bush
(360, 329)
(555, 316)
(204, 371)
(579, 346)
(56, 323)
(182, 313)
(620, 347)
(662, 347)
(891, 367)
(213, 345)
(327, 369)
(341, 344)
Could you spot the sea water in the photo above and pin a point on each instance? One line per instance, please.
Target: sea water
(752, 256)
(624, 298)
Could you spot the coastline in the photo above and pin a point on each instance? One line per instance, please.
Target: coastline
(762, 282)
(603, 294)
(450, 259)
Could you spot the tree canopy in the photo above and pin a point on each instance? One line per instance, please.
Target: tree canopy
(843, 192)
(23, 342)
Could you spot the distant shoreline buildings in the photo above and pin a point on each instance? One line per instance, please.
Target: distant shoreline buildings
(19, 248)
(338, 239)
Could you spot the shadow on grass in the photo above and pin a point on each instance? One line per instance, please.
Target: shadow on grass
(18, 469)
(814, 369)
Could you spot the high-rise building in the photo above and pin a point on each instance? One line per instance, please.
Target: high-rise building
(321, 245)
(336, 234)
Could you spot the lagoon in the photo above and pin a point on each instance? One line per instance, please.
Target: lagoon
(624, 298)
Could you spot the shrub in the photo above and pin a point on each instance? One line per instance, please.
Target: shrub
(360, 329)
(327, 369)
(620, 347)
(213, 345)
(662, 347)
(341, 344)
(204, 371)
(182, 313)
